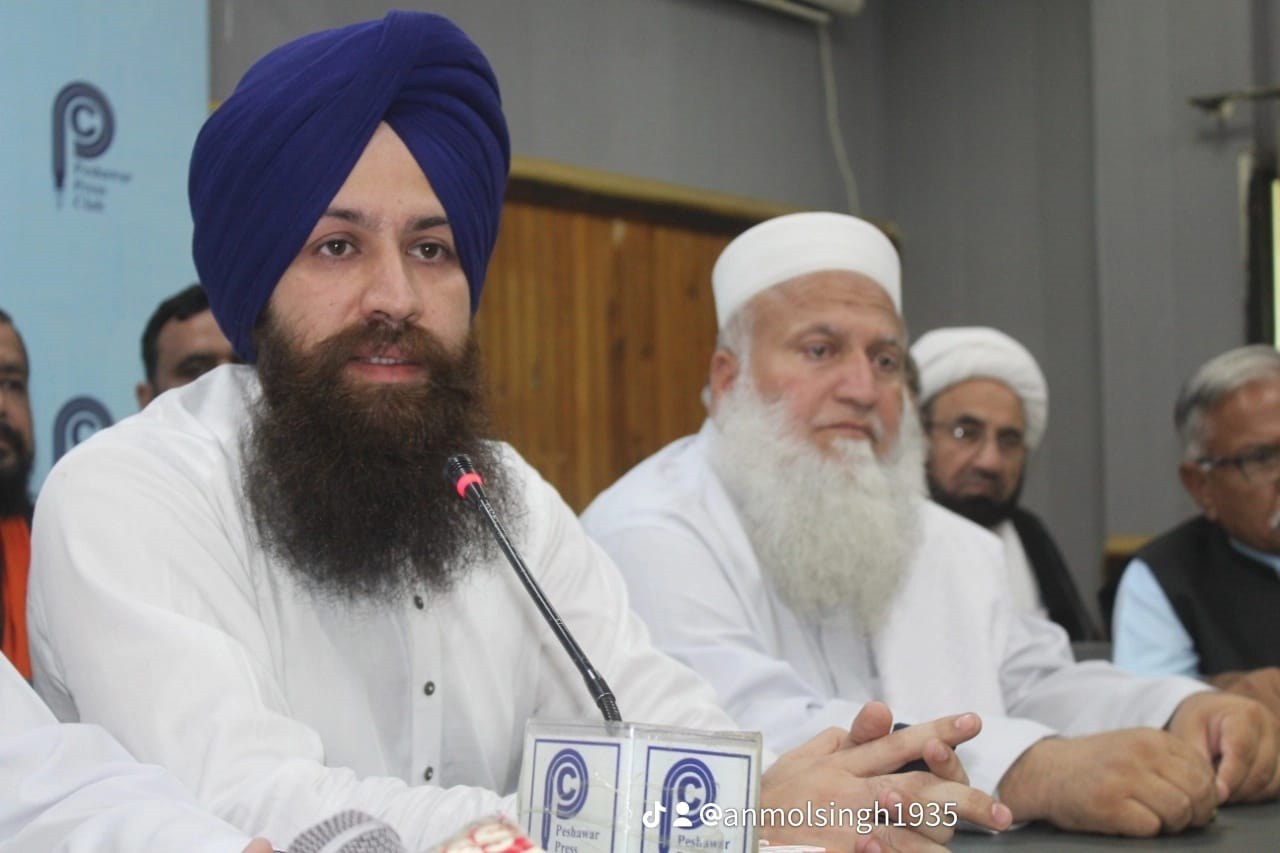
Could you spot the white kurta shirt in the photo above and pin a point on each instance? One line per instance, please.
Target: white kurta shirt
(952, 641)
(1023, 588)
(153, 613)
(72, 789)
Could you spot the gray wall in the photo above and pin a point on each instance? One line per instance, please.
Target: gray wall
(1051, 179)
(991, 181)
(706, 93)
(1170, 256)
(1038, 155)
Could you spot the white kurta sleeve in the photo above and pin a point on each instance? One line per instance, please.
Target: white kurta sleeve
(144, 619)
(73, 789)
(1043, 683)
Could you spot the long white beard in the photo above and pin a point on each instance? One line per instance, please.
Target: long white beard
(831, 533)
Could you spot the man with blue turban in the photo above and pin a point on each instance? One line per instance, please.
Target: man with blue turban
(301, 617)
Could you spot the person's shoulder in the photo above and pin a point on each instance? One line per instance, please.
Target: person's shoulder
(216, 406)
(187, 429)
(1169, 550)
(664, 482)
(1032, 531)
(1023, 517)
(939, 519)
(944, 528)
(1194, 530)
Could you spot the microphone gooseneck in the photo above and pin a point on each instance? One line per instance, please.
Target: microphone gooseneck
(462, 476)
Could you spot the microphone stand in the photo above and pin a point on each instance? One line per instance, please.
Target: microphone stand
(461, 474)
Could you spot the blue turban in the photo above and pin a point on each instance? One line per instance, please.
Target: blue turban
(270, 159)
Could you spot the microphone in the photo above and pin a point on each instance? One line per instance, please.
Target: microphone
(461, 474)
(348, 832)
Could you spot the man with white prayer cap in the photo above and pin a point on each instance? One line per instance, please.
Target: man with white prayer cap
(984, 404)
(788, 553)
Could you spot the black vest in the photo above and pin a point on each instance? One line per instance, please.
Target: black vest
(1228, 603)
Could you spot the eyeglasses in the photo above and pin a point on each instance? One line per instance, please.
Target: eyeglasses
(1257, 465)
(972, 434)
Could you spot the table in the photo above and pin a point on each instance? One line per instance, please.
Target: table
(1251, 828)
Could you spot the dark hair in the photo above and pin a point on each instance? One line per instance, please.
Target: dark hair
(186, 303)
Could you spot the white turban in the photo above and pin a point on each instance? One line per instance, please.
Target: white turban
(797, 244)
(946, 357)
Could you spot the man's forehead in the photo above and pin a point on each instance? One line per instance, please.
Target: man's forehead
(364, 201)
(1247, 413)
(983, 397)
(830, 296)
(189, 320)
(178, 330)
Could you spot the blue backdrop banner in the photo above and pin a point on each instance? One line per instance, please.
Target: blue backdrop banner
(101, 105)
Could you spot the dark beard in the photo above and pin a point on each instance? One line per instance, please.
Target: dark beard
(14, 481)
(345, 481)
(980, 509)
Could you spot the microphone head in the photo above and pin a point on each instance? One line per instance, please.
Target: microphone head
(456, 467)
(348, 832)
(461, 474)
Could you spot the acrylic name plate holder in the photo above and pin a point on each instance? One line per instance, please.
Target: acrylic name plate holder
(631, 788)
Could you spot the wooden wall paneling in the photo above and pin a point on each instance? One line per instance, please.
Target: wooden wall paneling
(596, 333)
(686, 333)
(596, 403)
(598, 322)
(634, 262)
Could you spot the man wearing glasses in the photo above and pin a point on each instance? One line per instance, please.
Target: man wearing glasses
(984, 404)
(1202, 599)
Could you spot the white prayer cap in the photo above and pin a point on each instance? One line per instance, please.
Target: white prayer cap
(797, 244)
(946, 357)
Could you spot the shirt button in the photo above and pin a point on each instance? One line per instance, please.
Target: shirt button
(428, 773)
(418, 602)
(429, 688)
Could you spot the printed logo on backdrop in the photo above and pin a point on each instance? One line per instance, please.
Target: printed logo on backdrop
(79, 418)
(565, 791)
(84, 126)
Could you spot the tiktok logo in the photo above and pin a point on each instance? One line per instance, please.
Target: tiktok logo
(653, 818)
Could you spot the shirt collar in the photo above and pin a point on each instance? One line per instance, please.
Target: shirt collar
(1272, 560)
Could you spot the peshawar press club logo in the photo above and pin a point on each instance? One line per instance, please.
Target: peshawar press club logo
(688, 788)
(565, 790)
(84, 126)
